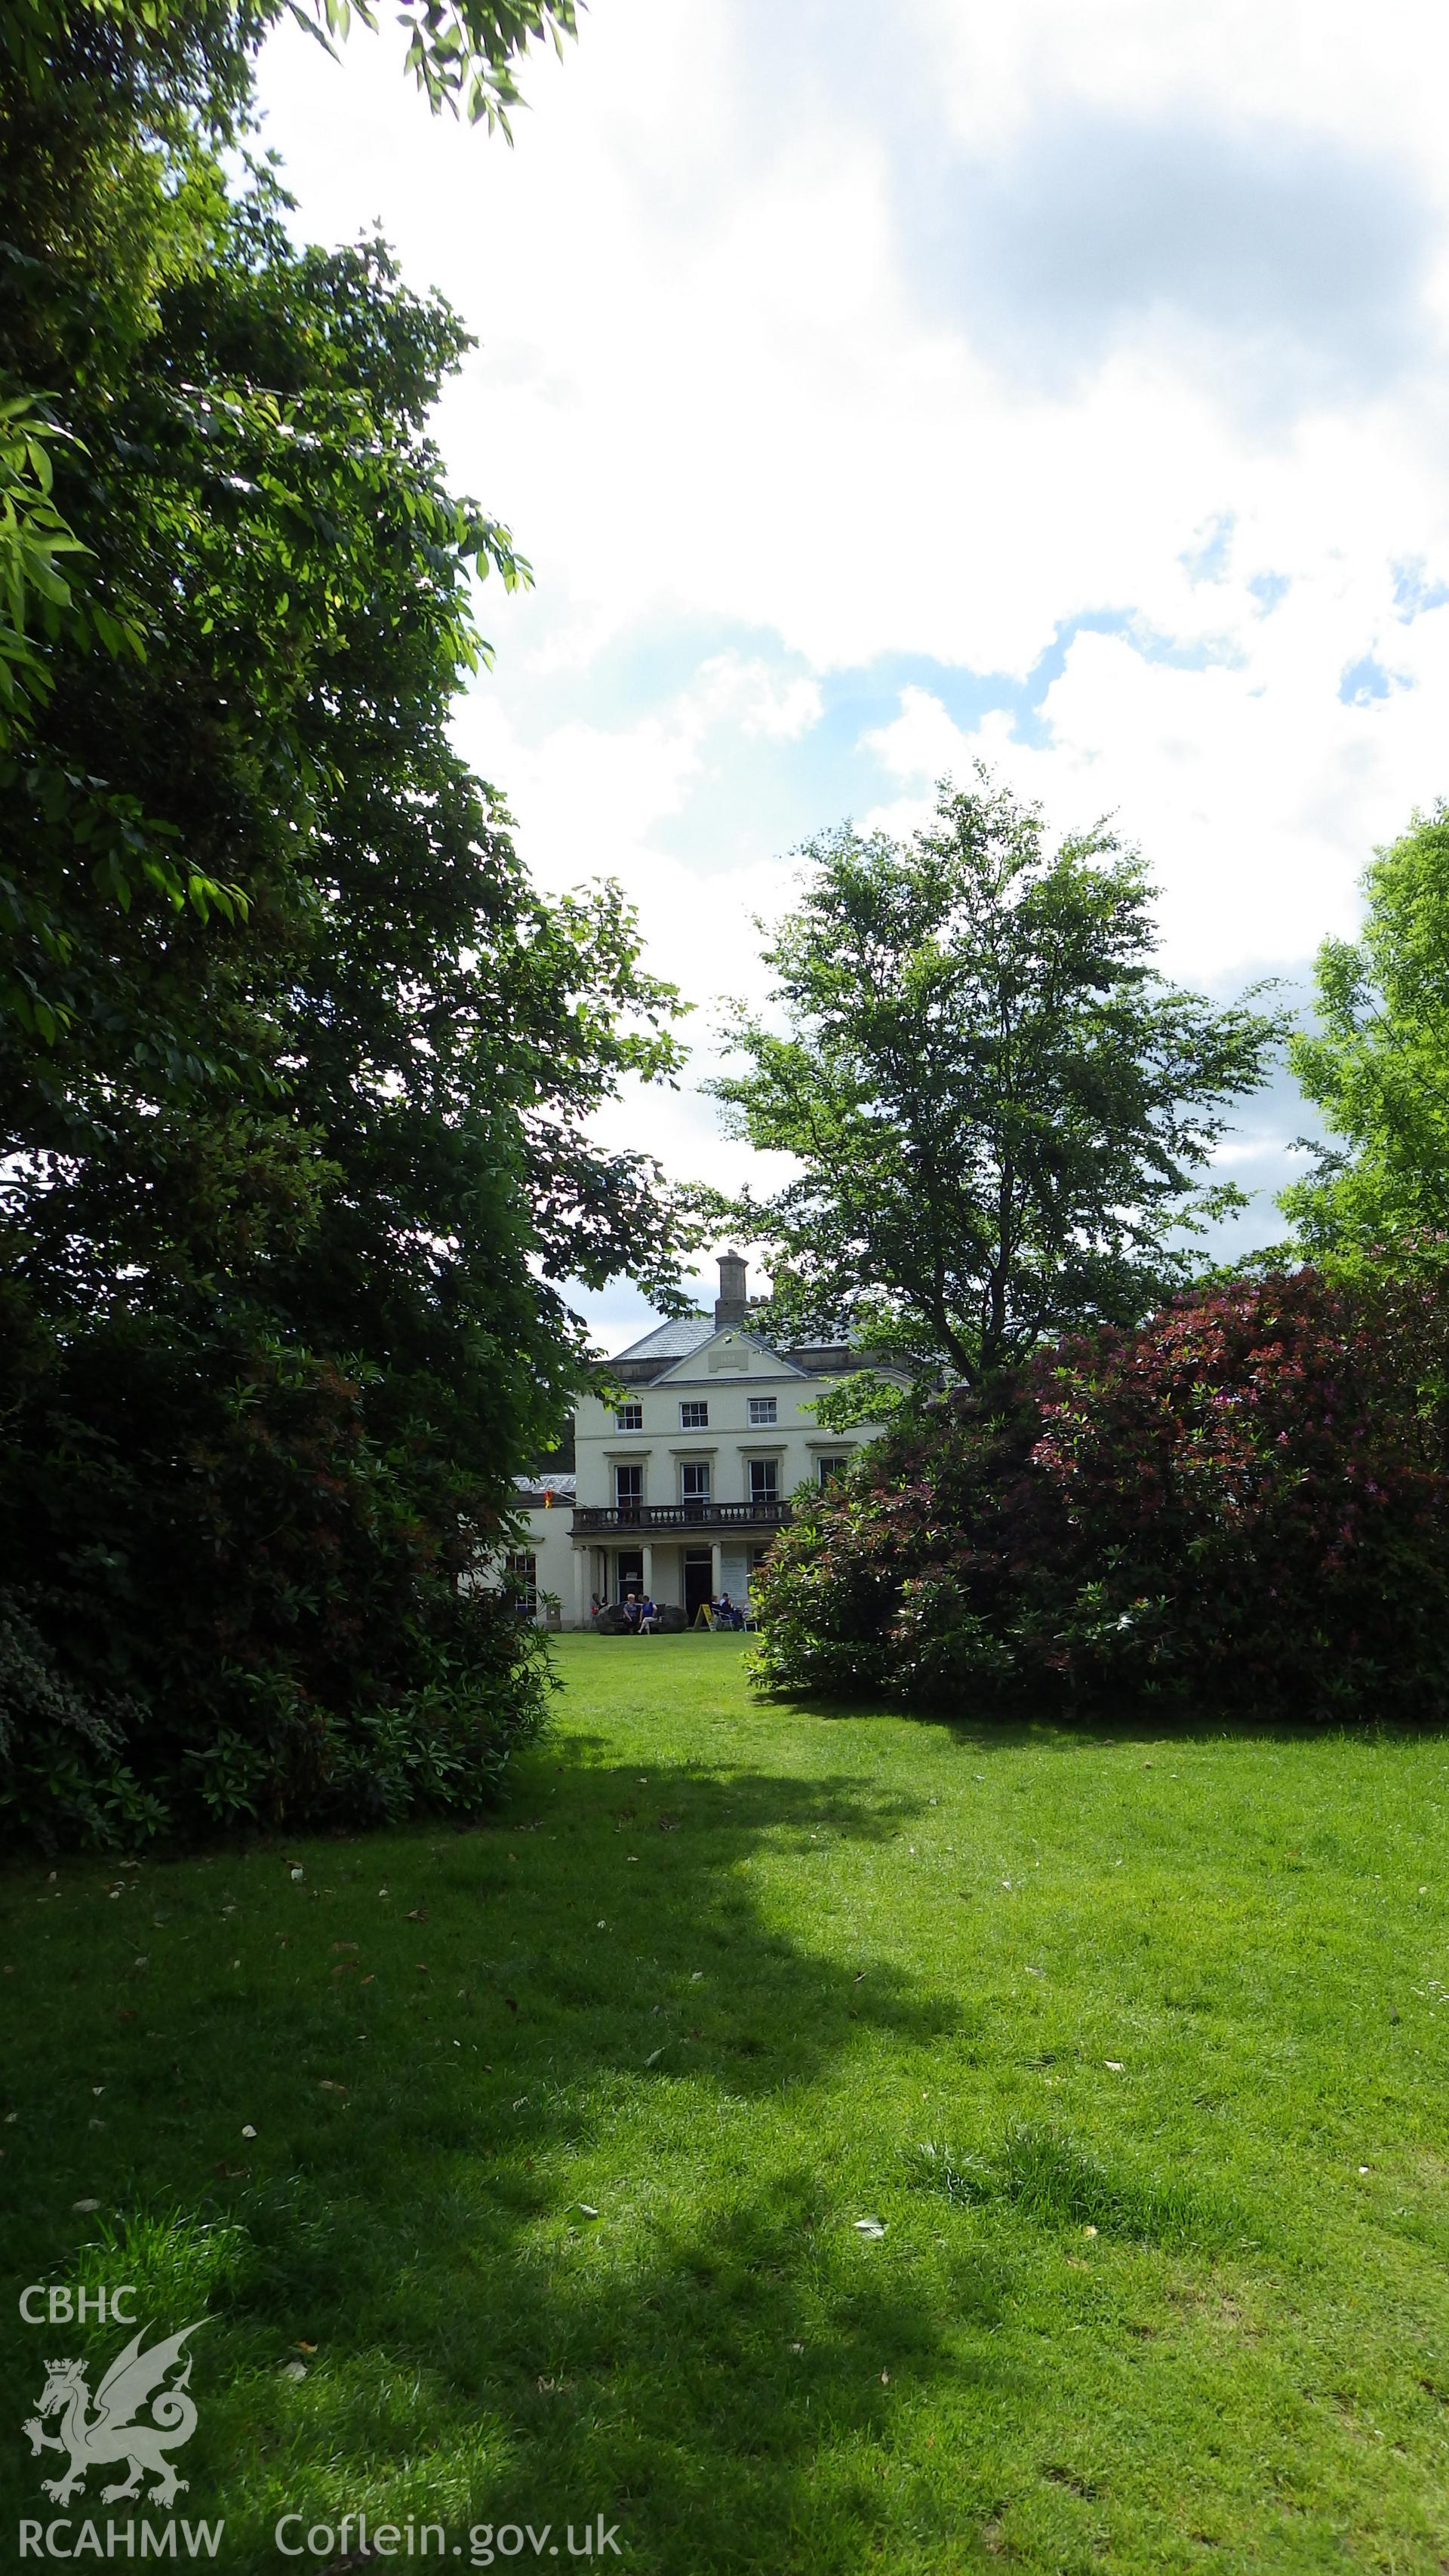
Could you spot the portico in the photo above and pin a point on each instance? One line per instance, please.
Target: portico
(688, 1561)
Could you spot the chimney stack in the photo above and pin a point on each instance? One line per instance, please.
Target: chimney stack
(729, 1305)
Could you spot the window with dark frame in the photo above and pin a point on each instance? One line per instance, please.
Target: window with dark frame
(830, 1468)
(764, 1480)
(520, 1572)
(762, 1411)
(694, 1488)
(628, 1491)
(694, 1414)
(629, 1417)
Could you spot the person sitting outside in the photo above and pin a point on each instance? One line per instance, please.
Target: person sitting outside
(648, 1617)
(632, 1613)
(725, 1613)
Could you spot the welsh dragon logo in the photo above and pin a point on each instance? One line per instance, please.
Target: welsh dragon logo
(96, 2439)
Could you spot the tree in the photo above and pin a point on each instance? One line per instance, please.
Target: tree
(1000, 1111)
(296, 1068)
(110, 117)
(1377, 1066)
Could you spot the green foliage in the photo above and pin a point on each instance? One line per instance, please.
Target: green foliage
(1001, 1111)
(463, 55)
(1247, 1499)
(33, 538)
(296, 1068)
(1377, 1067)
(865, 1395)
(63, 1770)
(237, 1606)
(193, 58)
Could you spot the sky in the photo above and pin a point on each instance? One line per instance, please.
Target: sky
(880, 385)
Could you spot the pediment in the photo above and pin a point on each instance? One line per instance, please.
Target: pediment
(730, 1353)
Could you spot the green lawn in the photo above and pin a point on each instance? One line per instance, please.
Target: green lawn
(1170, 2293)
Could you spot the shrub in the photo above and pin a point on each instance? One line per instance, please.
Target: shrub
(230, 1606)
(1244, 1501)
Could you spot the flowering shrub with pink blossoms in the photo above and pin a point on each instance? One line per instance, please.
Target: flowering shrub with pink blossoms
(1243, 1504)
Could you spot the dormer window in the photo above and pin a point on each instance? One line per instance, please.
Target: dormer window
(694, 1415)
(629, 1417)
(762, 1412)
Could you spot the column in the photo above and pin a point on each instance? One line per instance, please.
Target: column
(647, 1553)
(716, 1571)
(581, 1598)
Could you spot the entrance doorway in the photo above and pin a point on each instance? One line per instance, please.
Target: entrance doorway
(629, 1573)
(698, 1580)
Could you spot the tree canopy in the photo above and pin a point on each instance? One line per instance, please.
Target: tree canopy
(1001, 1114)
(296, 1068)
(1377, 1066)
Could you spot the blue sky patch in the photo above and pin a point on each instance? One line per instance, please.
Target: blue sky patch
(1366, 680)
(1268, 588)
(1414, 590)
(1209, 561)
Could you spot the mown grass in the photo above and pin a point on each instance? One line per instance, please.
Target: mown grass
(1134, 2048)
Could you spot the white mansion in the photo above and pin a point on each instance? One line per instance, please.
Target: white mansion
(680, 1486)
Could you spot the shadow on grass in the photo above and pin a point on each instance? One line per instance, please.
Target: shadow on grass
(535, 2215)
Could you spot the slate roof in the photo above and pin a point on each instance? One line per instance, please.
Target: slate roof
(673, 1341)
(647, 1360)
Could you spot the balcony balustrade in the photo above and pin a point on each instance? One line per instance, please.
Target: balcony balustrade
(599, 1519)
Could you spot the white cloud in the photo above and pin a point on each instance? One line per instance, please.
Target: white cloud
(719, 394)
(590, 803)
(1255, 794)
(703, 392)
(1320, 65)
(759, 699)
